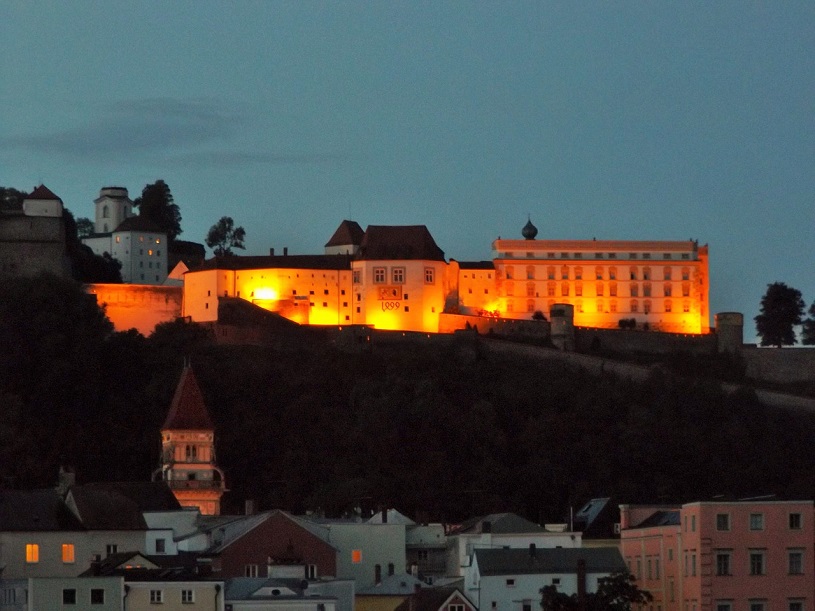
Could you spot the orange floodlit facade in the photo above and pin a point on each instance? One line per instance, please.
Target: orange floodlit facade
(396, 278)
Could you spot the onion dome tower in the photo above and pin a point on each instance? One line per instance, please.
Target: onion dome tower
(188, 450)
(529, 231)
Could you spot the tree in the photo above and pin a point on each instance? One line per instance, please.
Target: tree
(84, 227)
(808, 330)
(781, 309)
(617, 592)
(223, 236)
(156, 204)
(11, 199)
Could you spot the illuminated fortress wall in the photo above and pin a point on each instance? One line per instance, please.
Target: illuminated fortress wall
(137, 306)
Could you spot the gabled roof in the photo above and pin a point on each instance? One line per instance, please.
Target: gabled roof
(35, 510)
(522, 561)
(596, 518)
(432, 599)
(393, 517)
(119, 505)
(236, 262)
(139, 223)
(135, 566)
(399, 242)
(187, 410)
(42, 192)
(498, 523)
(349, 232)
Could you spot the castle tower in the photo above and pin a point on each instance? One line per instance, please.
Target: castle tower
(112, 207)
(188, 450)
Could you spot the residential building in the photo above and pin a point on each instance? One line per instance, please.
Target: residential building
(388, 592)
(437, 599)
(511, 579)
(188, 464)
(274, 594)
(723, 555)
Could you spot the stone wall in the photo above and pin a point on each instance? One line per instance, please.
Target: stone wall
(588, 339)
(449, 323)
(780, 365)
(31, 245)
(137, 306)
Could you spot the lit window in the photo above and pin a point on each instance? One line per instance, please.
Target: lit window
(149, 252)
(398, 275)
(356, 556)
(141, 238)
(187, 597)
(429, 275)
(118, 239)
(32, 553)
(156, 596)
(379, 275)
(69, 596)
(756, 521)
(97, 596)
(68, 552)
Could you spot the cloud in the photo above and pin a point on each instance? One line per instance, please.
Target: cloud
(175, 129)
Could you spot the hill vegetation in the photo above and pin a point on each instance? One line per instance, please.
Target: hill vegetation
(450, 432)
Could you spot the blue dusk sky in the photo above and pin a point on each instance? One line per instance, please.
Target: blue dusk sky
(614, 120)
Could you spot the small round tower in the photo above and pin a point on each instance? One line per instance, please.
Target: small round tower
(561, 317)
(729, 331)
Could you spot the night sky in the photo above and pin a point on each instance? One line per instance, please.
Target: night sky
(614, 120)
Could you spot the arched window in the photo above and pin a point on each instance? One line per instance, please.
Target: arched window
(668, 305)
(105, 212)
(510, 289)
(667, 273)
(530, 305)
(564, 273)
(530, 289)
(599, 289)
(635, 306)
(598, 272)
(530, 272)
(564, 289)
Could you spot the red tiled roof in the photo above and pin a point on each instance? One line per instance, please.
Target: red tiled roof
(349, 232)
(187, 410)
(399, 242)
(42, 192)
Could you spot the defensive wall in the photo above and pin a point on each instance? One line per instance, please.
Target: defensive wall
(510, 327)
(588, 339)
(137, 306)
(779, 365)
(30, 245)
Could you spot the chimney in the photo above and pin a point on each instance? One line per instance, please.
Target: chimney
(271, 252)
(581, 584)
(285, 251)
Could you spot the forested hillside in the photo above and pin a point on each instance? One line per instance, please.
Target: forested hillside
(448, 431)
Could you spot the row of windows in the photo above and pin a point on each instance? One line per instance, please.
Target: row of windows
(758, 562)
(141, 239)
(157, 597)
(634, 273)
(397, 275)
(597, 255)
(758, 605)
(69, 596)
(600, 306)
(755, 521)
(32, 552)
(599, 289)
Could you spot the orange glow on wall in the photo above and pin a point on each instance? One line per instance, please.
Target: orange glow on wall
(356, 556)
(266, 294)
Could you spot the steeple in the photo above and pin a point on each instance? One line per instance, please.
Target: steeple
(188, 449)
(112, 207)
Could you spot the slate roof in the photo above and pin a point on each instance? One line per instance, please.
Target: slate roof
(247, 588)
(187, 410)
(430, 599)
(499, 523)
(35, 510)
(42, 192)
(139, 223)
(394, 585)
(237, 262)
(596, 518)
(476, 264)
(349, 232)
(179, 567)
(660, 518)
(399, 242)
(548, 560)
(119, 505)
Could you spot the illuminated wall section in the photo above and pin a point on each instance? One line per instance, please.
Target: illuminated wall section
(400, 295)
(476, 288)
(664, 284)
(201, 291)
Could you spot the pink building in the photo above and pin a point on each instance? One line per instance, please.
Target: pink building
(748, 555)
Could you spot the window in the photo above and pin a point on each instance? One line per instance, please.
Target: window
(756, 521)
(68, 553)
(161, 546)
(429, 275)
(187, 597)
(795, 521)
(69, 596)
(634, 305)
(656, 568)
(795, 605)
(635, 290)
(612, 273)
(550, 289)
(379, 275)
(724, 606)
(105, 212)
(796, 562)
(722, 521)
(510, 583)
(32, 553)
(723, 563)
(530, 289)
(693, 524)
(250, 570)
(550, 273)
(564, 273)
(757, 564)
(612, 289)
(578, 289)
(578, 273)
(357, 276)
(530, 305)
(356, 556)
(156, 596)
(398, 275)
(668, 305)
(646, 289)
(456, 608)
(599, 289)
(510, 272)
(530, 272)
(97, 596)
(564, 289)
(757, 605)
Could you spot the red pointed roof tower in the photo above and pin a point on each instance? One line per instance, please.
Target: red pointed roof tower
(188, 449)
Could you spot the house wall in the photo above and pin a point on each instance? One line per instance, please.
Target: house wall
(138, 306)
(207, 595)
(143, 256)
(272, 538)
(381, 544)
(50, 564)
(46, 593)
(524, 591)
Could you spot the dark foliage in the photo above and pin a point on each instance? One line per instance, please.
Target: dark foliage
(86, 266)
(781, 309)
(808, 328)
(617, 592)
(223, 236)
(157, 204)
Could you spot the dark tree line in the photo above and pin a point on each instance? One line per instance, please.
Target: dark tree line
(443, 430)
